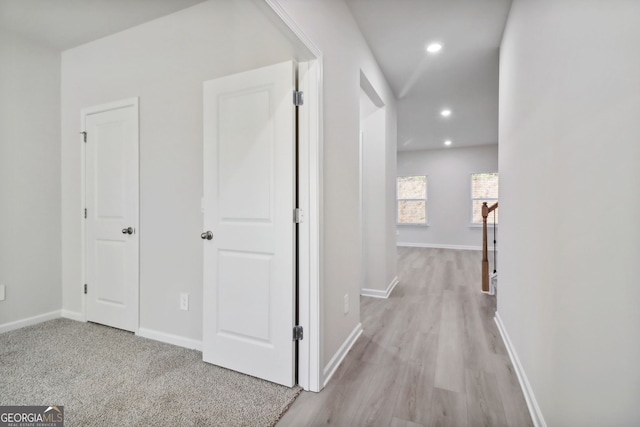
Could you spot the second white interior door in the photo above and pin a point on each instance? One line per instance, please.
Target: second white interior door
(249, 189)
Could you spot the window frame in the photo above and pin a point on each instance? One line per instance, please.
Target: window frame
(490, 201)
(426, 206)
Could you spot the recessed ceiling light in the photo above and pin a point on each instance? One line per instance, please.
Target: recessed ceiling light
(434, 47)
(445, 113)
(447, 142)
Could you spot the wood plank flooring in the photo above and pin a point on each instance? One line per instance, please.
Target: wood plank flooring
(430, 355)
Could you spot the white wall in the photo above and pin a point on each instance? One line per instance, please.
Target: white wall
(448, 194)
(374, 196)
(391, 168)
(29, 178)
(330, 25)
(569, 291)
(165, 63)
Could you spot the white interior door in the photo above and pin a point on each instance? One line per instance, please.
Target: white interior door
(111, 185)
(249, 188)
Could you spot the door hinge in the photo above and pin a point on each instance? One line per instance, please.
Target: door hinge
(298, 98)
(297, 333)
(298, 216)
(84, 136)
(85, 288)
(85, 213)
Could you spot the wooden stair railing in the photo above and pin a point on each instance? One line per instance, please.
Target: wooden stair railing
(485, 252)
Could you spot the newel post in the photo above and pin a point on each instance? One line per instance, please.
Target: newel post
(485, 252)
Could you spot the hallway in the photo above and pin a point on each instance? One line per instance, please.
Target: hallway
(430, 355)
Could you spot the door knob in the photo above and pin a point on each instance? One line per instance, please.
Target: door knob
(207, 235)
(127, 230)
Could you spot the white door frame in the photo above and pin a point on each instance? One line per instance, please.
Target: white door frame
(130, 102)
(310, 124)
(309, 240)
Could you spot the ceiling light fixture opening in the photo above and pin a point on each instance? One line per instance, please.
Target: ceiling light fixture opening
(447, 142)
(434, 47)
(445, 113)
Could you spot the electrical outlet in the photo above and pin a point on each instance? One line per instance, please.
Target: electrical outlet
(184, 301)
(346, 303)
(2, 292)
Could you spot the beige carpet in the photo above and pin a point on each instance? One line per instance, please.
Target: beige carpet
(107, 377)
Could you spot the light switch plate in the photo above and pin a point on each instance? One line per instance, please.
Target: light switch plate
(2, 287)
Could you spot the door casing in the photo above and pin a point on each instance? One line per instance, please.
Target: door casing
(310, 137)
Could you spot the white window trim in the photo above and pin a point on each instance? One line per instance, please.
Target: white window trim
(426, 205)
(471, 199)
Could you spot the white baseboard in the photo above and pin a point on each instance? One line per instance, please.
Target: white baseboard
(73, 315)
(376, 293)
(439, 246)
(145, 333)
(337, 358)
(532, 403)
(170, 339)
(17, 324)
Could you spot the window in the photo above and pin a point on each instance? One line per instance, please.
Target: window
(484, 188)
(412, 200)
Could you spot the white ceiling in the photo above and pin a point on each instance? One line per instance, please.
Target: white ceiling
(63, 24)
(463, 76)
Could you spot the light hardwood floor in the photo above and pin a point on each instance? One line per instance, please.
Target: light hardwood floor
(430, 355)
